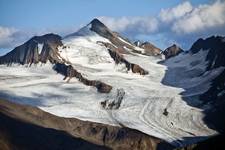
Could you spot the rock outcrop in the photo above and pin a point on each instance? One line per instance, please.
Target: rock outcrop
(172, 51)
(37, 49)
(216, 50)
(116, 55)
(150, 49)
(130, 66)
(115, 101)
(69, 72)
(98, 27)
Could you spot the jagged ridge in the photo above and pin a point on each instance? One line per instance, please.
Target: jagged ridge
(29, 52)
(69, 71)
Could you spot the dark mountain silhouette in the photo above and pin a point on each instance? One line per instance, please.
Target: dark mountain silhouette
(31, 53)
(215, 45)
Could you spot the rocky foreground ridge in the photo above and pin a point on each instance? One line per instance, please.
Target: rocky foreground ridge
(26, 127)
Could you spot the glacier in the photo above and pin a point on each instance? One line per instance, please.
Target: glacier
(146, 97)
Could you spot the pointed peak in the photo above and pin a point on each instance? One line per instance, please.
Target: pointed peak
(101, 29)
(97, 22)
(207, 43)
(96, 26)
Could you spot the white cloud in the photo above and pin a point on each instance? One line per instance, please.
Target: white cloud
(182, 24)
(167, 15)
(201, 18)
(135, 25)
(6, 36)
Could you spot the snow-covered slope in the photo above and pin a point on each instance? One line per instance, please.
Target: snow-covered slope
(82, 48)
(156, 104)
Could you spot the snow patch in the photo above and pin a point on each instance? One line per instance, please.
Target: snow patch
(40, 47)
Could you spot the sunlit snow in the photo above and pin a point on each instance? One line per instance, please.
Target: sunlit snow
(145, 99)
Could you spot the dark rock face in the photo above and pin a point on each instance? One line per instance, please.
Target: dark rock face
(114, 103)
(69, 72)
(119, 59)
(215, 59)
(28, 53)
(102, 87)
(37, 129)
(172, 51)
(137, 69)
(214, 46)
(137, 43)
(98, 27)
(150, 49)
(215, 96)
(216, 53)
(20, 135)
(114, 52)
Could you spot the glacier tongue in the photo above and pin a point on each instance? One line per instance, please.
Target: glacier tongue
(145, 100)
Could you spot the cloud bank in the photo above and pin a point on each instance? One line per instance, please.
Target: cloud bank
(131, 25)
(169, 14)
(7, 36)
(201, 18)
(182, 24)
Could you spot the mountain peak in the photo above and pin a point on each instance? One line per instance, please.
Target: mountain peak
(98, 27)
(96, 21)
(150, 49)
(208, 43)
(47, 37)
(37, 49)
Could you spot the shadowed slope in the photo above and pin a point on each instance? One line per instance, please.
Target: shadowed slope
(16, 134)
(16, 120)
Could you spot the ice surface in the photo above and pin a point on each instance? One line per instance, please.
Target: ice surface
(143, 104)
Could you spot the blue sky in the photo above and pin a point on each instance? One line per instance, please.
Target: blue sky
(63, 13)
(25, 18)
